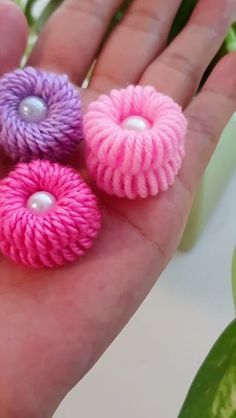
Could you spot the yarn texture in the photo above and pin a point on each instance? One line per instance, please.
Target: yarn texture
(130, 163)
(53, 138)
(56, 237)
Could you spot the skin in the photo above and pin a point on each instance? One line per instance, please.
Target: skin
(54, 325)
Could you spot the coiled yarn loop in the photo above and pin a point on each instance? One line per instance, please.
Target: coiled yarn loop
(53, 138)
(131, 163)
(53, 238)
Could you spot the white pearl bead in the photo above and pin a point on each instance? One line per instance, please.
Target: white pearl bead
(33, 109)
(41, 202)
(136, 123)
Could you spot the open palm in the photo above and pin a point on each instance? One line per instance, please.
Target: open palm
(54, 324)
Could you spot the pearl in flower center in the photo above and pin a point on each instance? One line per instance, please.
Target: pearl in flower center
(135, 123)
(33, 109)
(41, 202)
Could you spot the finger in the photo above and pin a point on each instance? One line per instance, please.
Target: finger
(134, 43)
(13, 40)
(13, 36)
(186, 59)
(72, 36)
(207, 115)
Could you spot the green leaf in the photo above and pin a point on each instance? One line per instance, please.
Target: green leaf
(234, 277)
(29, 11)
(46, 13)
(213, 391)
(231, 39)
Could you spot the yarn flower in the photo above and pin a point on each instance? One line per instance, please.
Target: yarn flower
(48, 215)
(135, 141)
(40, 115)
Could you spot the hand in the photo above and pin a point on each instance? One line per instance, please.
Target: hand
(55, 324)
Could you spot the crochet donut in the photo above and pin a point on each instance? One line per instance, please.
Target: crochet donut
(48, 215)
(135, 141)
(40, 115)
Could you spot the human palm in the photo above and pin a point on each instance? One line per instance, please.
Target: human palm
(54, 324)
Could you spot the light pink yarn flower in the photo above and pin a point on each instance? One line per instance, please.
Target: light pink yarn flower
(135, 141)
(48, 215)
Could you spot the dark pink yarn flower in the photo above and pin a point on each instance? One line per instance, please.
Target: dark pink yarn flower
(48, 215)
(135, 141)
(40, 115)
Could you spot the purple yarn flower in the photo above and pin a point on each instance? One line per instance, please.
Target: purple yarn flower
(40, 115)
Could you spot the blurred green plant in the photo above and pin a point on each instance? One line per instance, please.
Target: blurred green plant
(20, 3)
(38, 22)
(234, 277)
(231, 39)
(213, 392)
